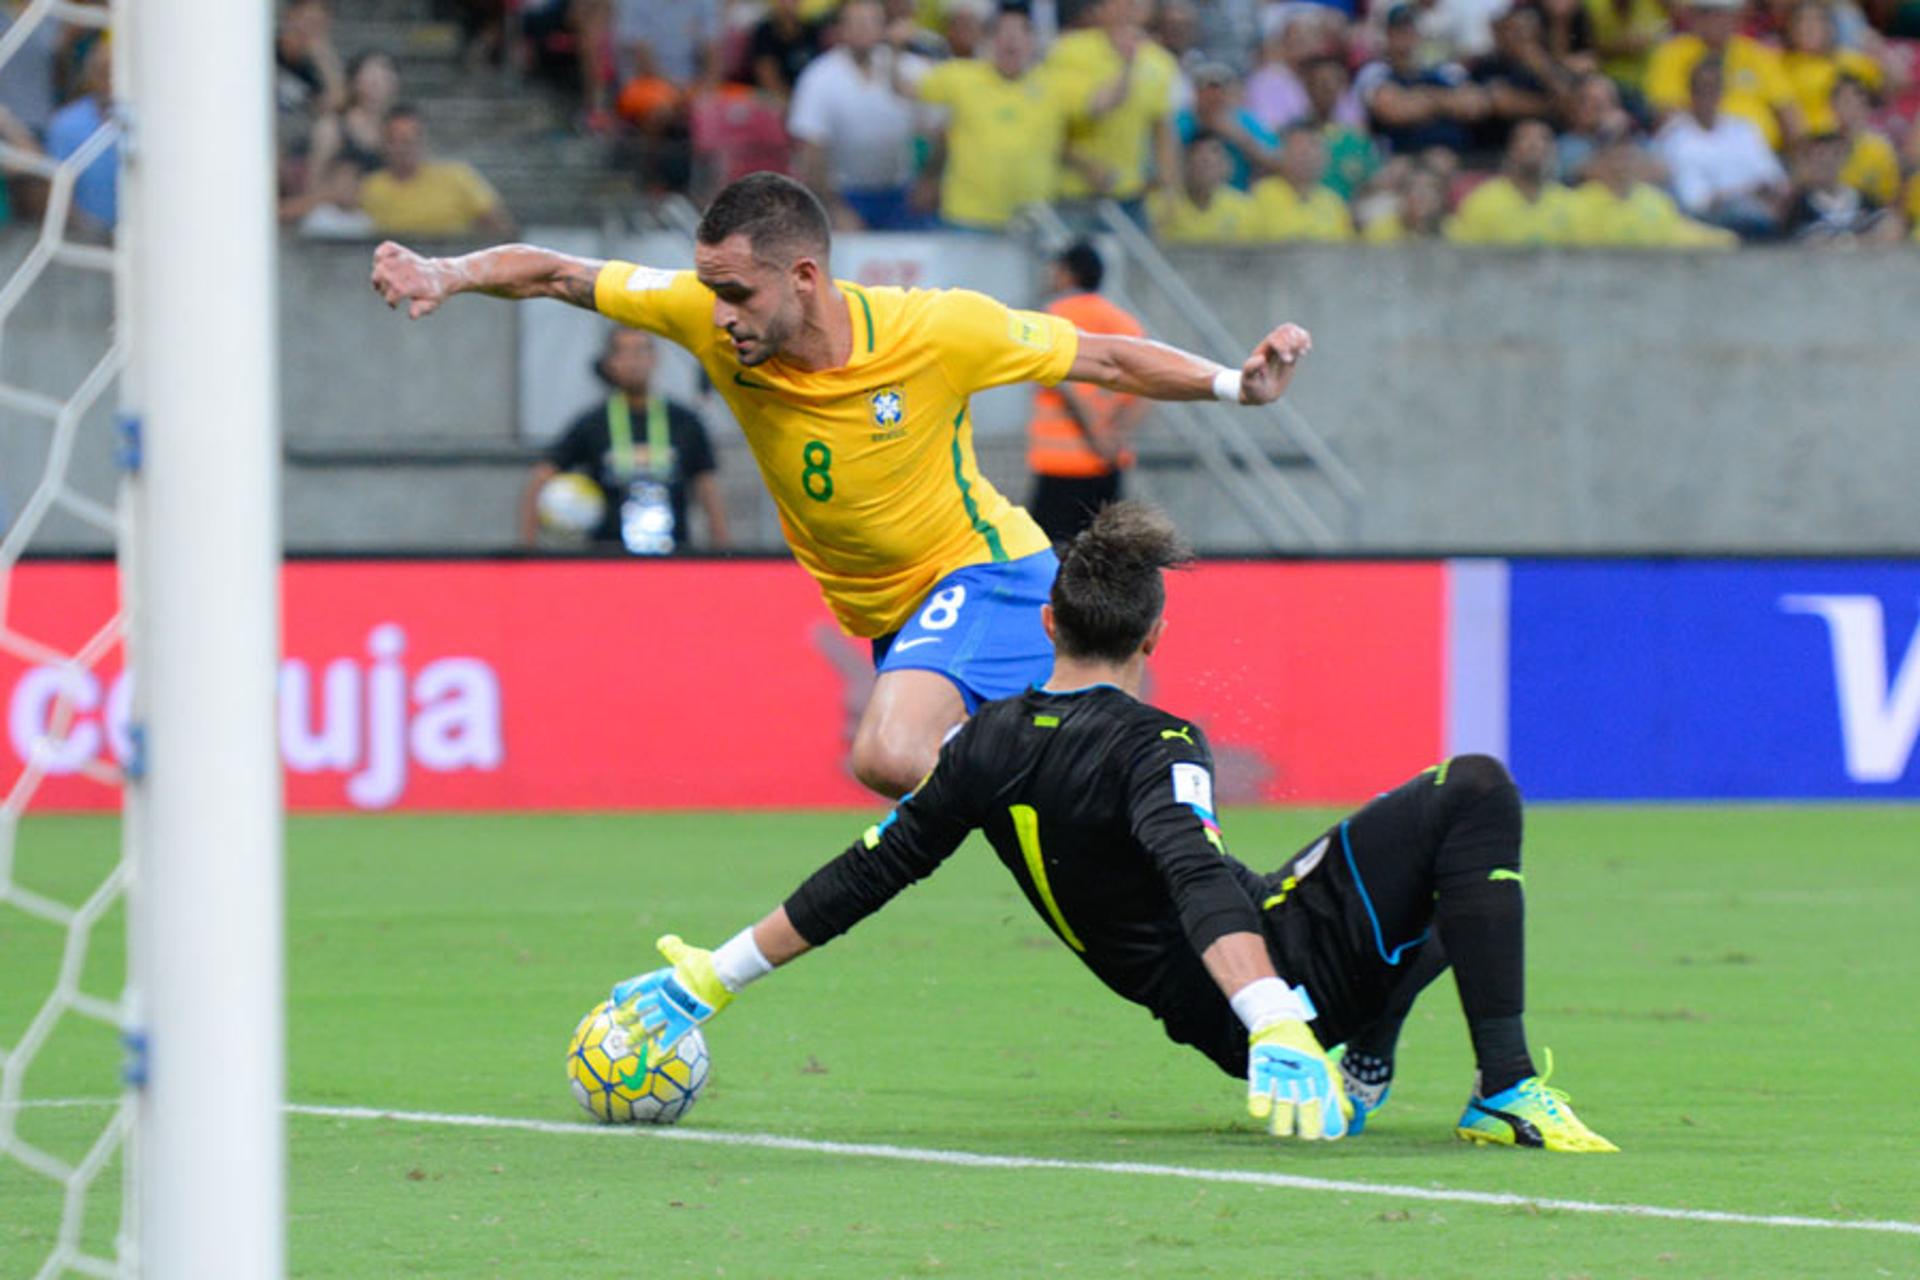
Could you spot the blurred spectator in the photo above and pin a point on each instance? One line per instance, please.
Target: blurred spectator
(1522, 205)
(1721, 167)
(1625, 34)
(855, 134)
(1230, 31)
(414, 194)
(1352, 159)
(1566, 31)
(1617, 208)
(356, 133)
(1252, 149)
(964, 25)
(1006, 128)
(648, 454)
(329, 209)
(1814, 65)
(1456, 30)
(1824, 210)
(907, 33)
(1204, 209)
(1521, 79)
(735, 131)
(1294, 205)
(1593, 109)
(1079, 445)
(1912, 205)
(1176, 25)
(675, 41)
(19, 137)
(1872, 168)
(96, 194)
(483, 29)
(1277, 91)
(1412, 205)
(1756, 84)
(309, 81)
(570, 42)
(29, 79)
(1413, 106)
(781, 46)
(1123, 135)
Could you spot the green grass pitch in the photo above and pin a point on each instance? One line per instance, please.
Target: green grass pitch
(1729, 994)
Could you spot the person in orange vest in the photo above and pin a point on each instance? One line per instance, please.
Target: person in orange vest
(1077, 446)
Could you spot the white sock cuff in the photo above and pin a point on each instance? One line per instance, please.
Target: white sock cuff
(1226, 386)
(739, 962)
(1265, 1001)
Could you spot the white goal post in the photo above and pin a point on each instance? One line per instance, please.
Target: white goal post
(200, 571)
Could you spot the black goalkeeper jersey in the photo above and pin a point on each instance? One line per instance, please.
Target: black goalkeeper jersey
(1102, 808)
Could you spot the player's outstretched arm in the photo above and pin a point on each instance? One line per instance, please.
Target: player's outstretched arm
(1143, 367)
(404, 278)
(665, 1004)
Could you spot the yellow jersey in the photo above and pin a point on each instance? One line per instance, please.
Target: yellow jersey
(1229, 218)
(1813, 76)
(445, 198)
(1645, 218)
(1084, 62)
(1755, 79)
(1003, 139)
(1498, 212)
(1873, 169)
(1285, 215)
(870, 465)
(1614, 20)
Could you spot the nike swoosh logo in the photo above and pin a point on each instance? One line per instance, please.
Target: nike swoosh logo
(743, 380)
(905, 645)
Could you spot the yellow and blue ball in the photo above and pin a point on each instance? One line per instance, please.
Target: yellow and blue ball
(620, 1080)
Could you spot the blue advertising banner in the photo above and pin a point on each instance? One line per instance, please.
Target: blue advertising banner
(1787, 679)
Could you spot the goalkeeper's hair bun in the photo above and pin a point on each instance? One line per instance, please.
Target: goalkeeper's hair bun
(1110, 591)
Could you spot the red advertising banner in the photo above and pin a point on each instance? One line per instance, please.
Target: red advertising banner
(481, 685)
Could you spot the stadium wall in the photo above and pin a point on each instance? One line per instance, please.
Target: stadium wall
(1514, 401)
(477, 685)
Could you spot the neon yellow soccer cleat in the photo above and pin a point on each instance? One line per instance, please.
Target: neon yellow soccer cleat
(1529, 1114)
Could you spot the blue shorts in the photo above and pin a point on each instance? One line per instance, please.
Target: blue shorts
(980, 628)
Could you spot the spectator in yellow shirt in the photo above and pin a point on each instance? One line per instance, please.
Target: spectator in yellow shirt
(1523, 205)
(1006, 126)
(1205, 209)
(1616, 209)
(1625, 32)
(1872, 168)
(1121, 137)
(415, 194)
(1294, 204)
(1417, 210)
(1757, 87)
(1814, 65)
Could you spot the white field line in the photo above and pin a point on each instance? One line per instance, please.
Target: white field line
(977, 1160)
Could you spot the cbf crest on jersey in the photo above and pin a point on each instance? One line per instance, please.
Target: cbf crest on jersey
(889, 406)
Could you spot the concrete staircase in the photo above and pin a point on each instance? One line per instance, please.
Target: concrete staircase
(519, 133)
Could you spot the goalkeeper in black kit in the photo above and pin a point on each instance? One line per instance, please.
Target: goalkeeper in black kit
(1102, 809)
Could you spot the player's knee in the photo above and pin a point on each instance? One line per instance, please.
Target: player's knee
(1474, 777)
(886, 764)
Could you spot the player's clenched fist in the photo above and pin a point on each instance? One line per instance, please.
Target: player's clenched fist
(402, 276)
(1264, 377)
(1292, 1085)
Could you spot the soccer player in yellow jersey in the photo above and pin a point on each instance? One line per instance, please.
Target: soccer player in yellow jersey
(854, 401)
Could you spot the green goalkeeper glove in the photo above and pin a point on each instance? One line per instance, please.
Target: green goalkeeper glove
(1291, 1084)
(665, 1004)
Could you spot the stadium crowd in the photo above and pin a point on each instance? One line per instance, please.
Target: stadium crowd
(1612, 122)
(1607, 122)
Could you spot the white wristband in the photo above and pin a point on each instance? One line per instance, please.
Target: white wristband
(1265, 1001)
(738, 961)
(1226, 386)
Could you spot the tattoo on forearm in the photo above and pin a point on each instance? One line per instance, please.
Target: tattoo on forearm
(575, 284)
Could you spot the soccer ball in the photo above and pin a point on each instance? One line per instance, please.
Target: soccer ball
(620, 1080)
(571, 503)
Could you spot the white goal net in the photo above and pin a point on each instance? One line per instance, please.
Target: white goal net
(140, 967)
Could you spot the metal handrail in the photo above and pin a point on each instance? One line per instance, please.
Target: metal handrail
(1226, 348)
